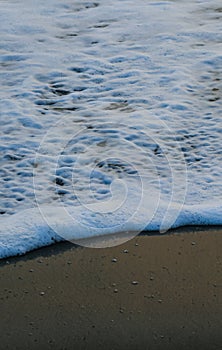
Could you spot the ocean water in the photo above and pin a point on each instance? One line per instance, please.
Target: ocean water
(110, 118)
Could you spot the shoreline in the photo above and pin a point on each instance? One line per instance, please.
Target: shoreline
(106, 241)
(152, 292)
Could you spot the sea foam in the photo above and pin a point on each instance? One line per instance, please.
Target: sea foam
(110, 119)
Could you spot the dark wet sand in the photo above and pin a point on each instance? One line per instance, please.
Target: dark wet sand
(164, 293)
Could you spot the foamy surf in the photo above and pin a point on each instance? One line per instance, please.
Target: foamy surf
(110, 119)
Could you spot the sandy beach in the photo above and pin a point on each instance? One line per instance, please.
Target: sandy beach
(110, 115)
(153, 292)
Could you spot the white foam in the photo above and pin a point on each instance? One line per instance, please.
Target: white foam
(112, 109)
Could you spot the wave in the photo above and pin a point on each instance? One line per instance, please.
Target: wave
(34, 228)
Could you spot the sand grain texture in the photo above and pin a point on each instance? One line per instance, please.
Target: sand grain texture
(159, 292)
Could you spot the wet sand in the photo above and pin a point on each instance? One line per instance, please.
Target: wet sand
(153, 292)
